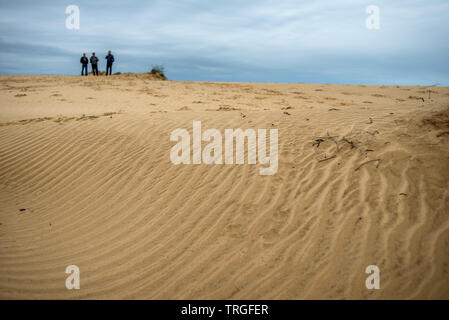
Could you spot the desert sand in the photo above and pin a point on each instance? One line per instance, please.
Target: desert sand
(86, 179)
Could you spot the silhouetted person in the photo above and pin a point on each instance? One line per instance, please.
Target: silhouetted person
(94, 63)
(84, 61)
(109, 60)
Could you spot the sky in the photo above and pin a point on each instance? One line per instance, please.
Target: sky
(312, 41)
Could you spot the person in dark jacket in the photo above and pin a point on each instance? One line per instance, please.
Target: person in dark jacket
(84, 61)
(109, 60)
(94, 63)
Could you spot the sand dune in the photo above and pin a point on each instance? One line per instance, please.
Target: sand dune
(363, 179)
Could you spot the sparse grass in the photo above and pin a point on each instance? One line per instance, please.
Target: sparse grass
(158, 70)
(100, 73)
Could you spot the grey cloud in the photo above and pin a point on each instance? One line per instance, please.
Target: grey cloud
(283, 41)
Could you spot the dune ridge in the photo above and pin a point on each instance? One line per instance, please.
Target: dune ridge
(363, 179)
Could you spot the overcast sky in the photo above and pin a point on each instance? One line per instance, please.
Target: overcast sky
(319, 41)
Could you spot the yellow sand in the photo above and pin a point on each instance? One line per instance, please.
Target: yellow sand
(89, 160)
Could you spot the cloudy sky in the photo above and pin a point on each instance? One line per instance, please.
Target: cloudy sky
(319, 41)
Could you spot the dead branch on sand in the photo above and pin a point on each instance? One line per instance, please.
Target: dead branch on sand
(317, 142)
(349, 142)
(373, 133)
(333, 139)
(326, 158)
(377, 166)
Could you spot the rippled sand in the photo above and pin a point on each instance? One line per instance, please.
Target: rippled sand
(363, 179)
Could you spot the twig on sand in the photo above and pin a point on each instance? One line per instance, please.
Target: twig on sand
(369, 161)
(325, 158)
(442, 134)
(317, 142)
(326, 137)
(333, 139)
(373, 133)
(350, 142)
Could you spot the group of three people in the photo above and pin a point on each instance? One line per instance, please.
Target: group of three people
(94, 62)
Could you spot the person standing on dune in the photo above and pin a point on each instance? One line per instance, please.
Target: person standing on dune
(110, 59)
(84, 61)
(94, 63)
